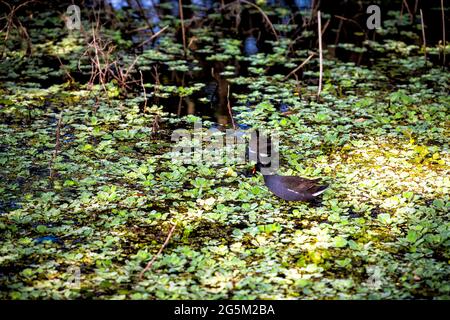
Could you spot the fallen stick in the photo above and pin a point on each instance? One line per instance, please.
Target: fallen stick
(443, 27)
(145, 92)
(411, 16)
(263, 14)
(319, 23)
(149, 265)
(153, 36)
(180, 9)
(300, 66)
(229, 108)
(423, 36)
(352, 21)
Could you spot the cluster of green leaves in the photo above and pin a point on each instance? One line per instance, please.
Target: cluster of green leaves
(379, 137)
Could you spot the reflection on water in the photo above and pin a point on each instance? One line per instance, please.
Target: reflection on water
(151, 4)
(120, 4)
(250, 47)
(303, 4)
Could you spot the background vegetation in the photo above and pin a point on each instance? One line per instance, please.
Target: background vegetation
(90, 189)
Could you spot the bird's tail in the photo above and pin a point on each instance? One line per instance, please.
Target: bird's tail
(319, 190)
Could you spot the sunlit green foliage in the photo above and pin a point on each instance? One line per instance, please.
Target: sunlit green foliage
(379, 136)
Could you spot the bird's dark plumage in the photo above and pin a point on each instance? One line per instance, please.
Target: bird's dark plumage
(292, 188)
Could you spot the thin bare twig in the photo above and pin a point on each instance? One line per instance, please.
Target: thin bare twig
(326, 26)
(423, 36)
(416, 4)
(297, 85)
(101, 72)
(121, 77)
(130, 68)
(411, 16)
(180, 105)
(314, 8)
(229, 108)
(443, 27)
(400, 18)
(10, 17)
(354, 22)
(153, 36)
(155, 125)
(157, 81)
(180, 9)
(149, 265)
(63, 66)
(319, 26)
(263, 14)
(145, 92)
(300, 66)
(338, 33)
(142, 12)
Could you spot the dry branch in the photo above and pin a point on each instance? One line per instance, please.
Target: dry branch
(443, 28)
(263, 14)
(319, 26)
(423, 35)
(300, 66)
(229, 108)
(153, 36)
(183, 32)
(149, 265)
(145, 92)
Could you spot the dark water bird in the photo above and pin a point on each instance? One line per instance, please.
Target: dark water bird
(292, 188)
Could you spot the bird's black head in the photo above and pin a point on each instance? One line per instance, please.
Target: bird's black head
(258, 166)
